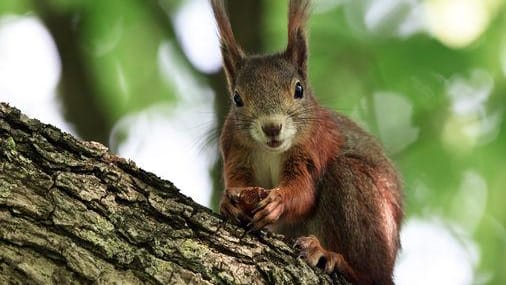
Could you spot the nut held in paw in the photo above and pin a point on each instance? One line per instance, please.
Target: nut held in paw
(249, 198)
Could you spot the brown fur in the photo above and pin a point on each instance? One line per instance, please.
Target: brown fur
(337, 189)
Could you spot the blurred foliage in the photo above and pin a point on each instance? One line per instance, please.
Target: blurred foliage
(399, 86)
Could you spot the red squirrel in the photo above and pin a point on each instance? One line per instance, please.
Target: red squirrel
(328, 183)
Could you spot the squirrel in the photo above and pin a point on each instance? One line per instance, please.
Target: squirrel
(326, 182)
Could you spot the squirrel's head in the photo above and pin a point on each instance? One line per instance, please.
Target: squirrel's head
(271, 100)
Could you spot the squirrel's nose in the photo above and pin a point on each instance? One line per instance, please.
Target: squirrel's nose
(271, 130)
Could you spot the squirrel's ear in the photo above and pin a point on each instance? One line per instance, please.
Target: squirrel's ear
(230, 50)
(297, 49)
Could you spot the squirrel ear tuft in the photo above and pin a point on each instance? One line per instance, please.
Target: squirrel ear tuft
(231, 52)
(297, 50)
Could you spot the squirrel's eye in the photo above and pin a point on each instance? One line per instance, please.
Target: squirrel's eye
(299, 91)
(238, 100)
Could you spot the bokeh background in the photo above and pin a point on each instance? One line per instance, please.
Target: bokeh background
(428, 77)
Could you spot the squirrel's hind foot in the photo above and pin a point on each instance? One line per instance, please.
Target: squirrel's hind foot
(316, 256)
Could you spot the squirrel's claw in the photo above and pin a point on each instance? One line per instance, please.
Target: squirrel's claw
(230, 210)
(312, 251)
(274, 196)
(268, 211)
(233, 194)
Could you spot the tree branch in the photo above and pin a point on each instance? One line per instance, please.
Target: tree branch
(71, 212)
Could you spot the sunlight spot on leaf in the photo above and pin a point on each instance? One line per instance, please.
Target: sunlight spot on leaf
(435, 252)
(197, 32)
(470, 123)
(30, 69)
(386, 18)
(395, 17)
(394, 117)
(177, 74)
(468, 206)
(457, 23)
(28, 54)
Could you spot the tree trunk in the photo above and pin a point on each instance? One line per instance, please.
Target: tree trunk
(72, 213)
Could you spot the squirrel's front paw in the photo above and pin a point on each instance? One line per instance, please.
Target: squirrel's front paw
(239, 202)
(229, 206)
(232, 212)
(268, 210)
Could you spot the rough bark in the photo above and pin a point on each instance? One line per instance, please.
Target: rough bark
(72, 213)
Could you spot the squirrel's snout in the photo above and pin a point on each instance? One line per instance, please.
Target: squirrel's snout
(272, 130)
